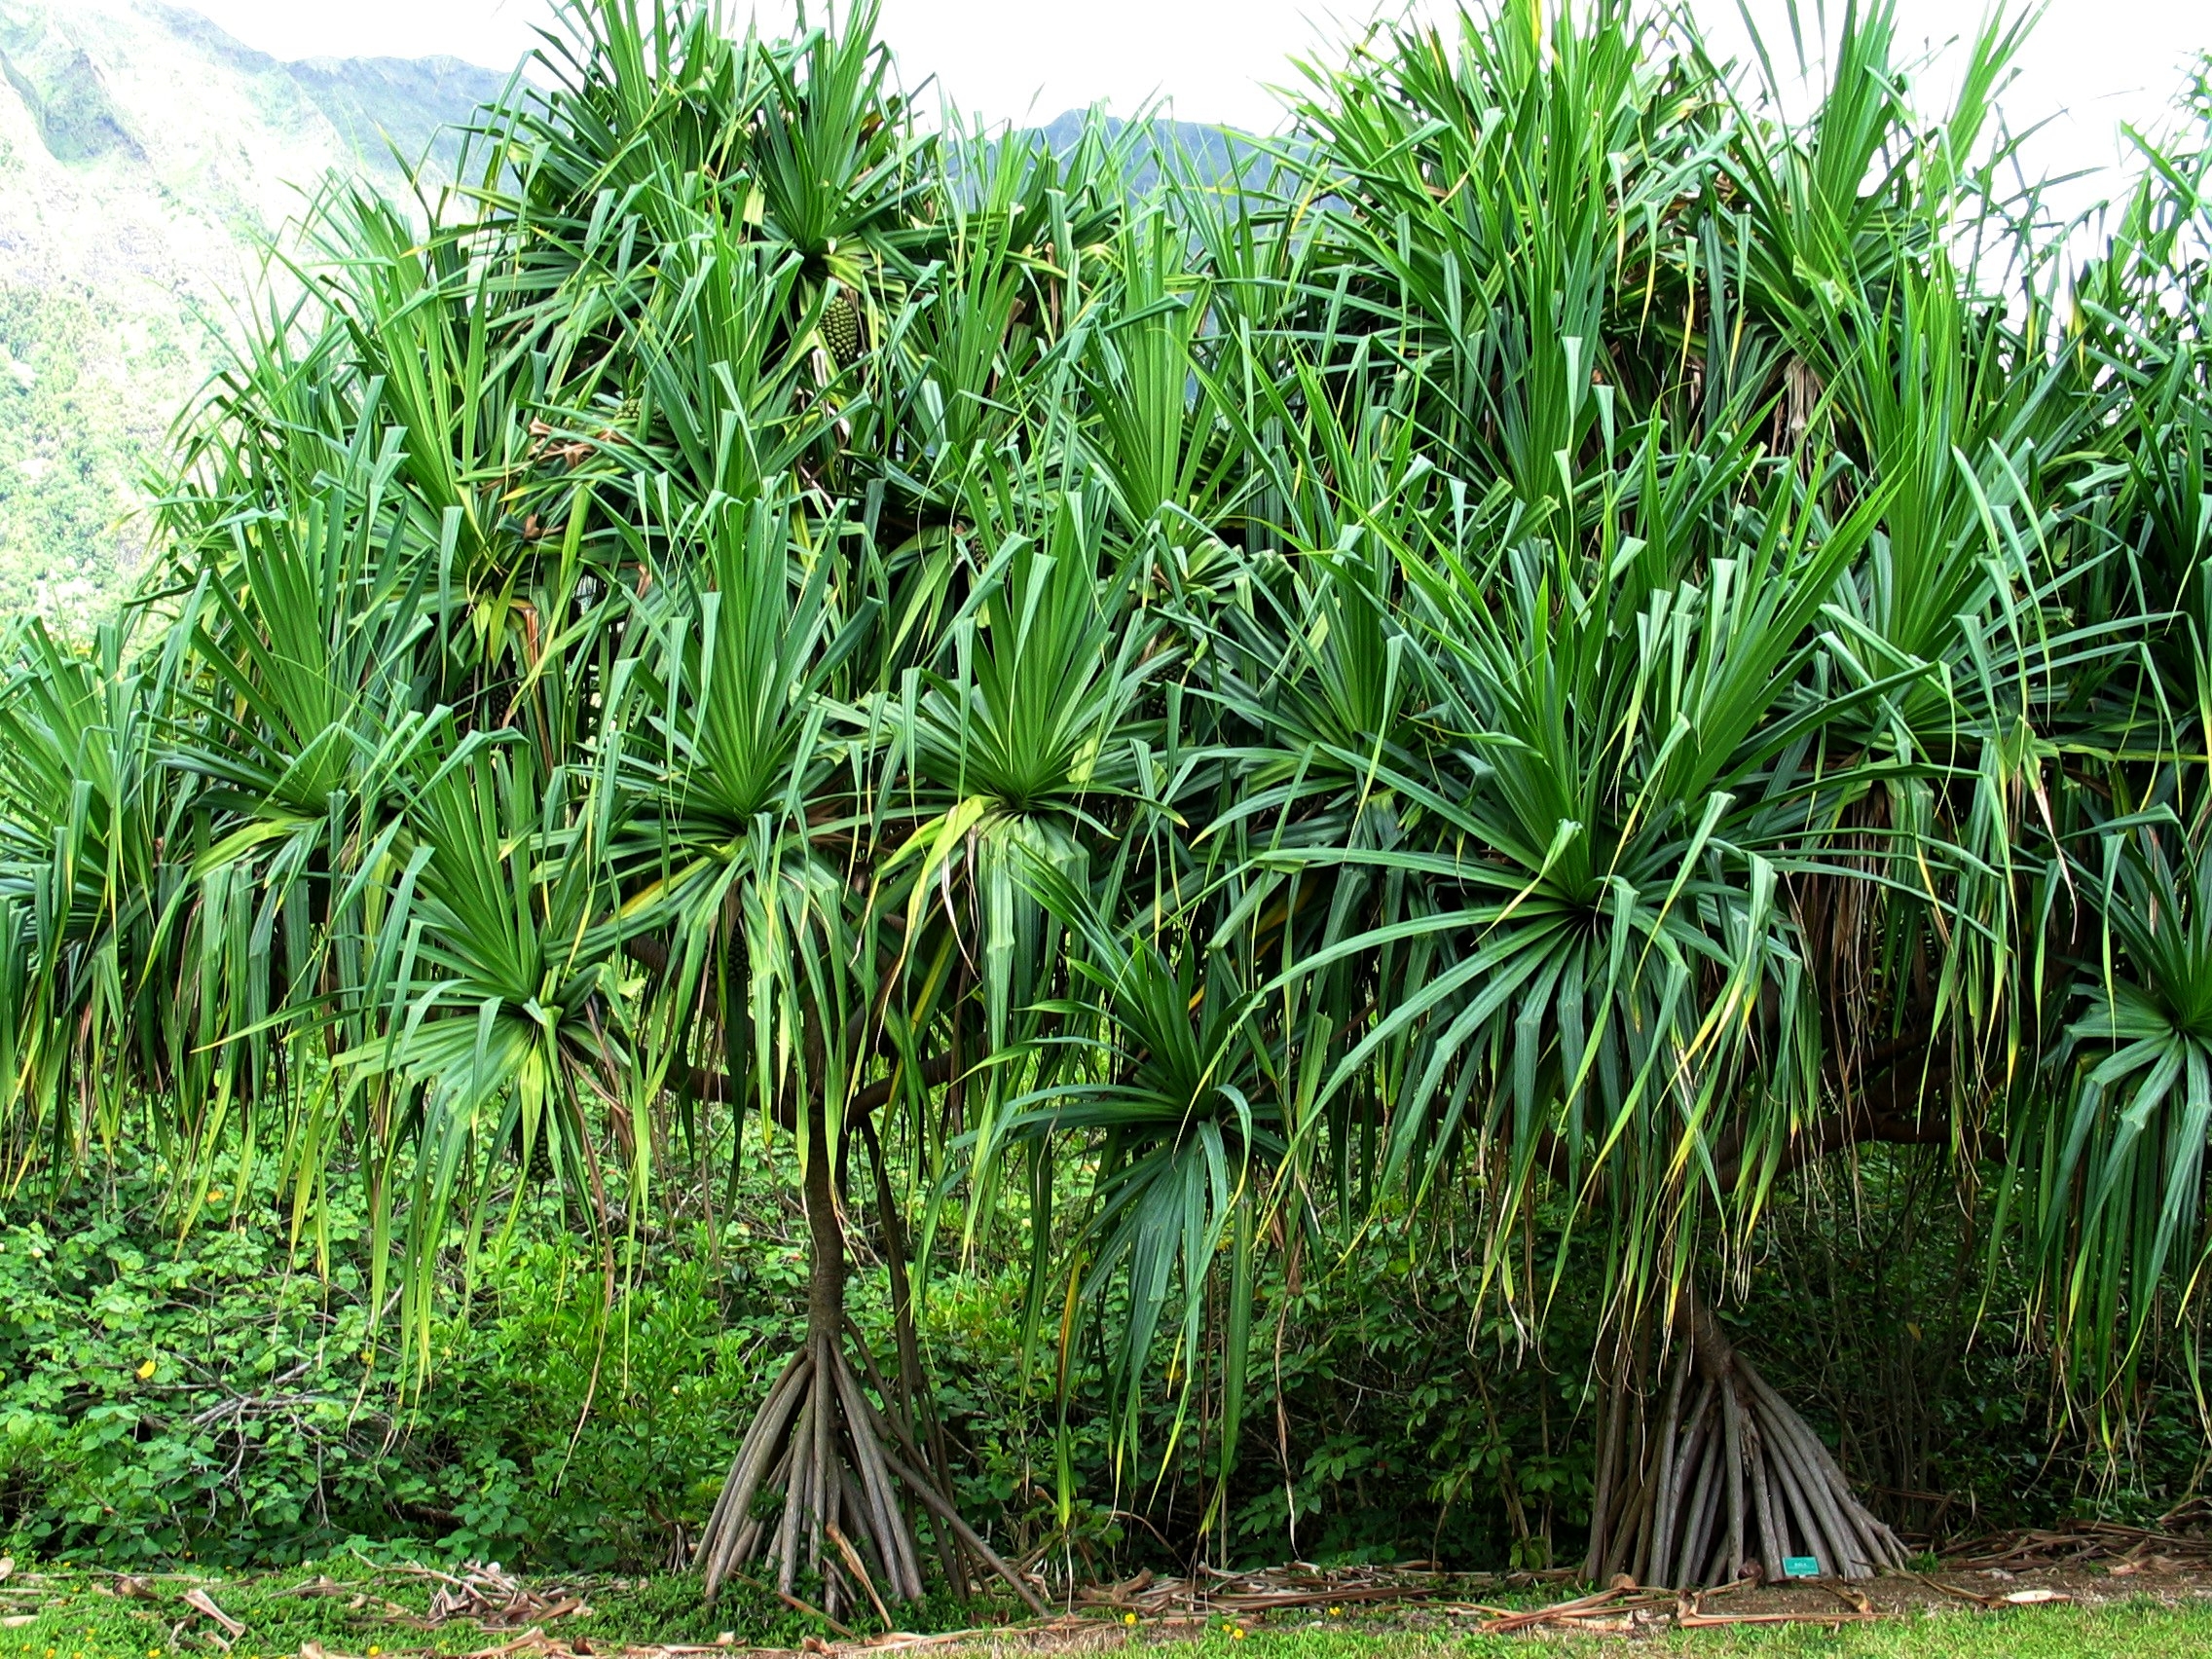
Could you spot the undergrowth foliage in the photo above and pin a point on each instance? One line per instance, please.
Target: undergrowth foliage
(567, 1431)
(1484, 716)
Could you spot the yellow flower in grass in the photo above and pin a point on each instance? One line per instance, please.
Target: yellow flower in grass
(145, 1371)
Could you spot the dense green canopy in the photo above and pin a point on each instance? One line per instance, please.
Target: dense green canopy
(1562, 634)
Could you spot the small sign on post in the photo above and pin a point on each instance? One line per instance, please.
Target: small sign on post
(1800, 1567)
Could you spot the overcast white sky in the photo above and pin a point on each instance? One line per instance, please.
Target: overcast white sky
(2092, 63)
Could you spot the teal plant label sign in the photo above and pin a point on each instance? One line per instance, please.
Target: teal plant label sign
(1800, 1567)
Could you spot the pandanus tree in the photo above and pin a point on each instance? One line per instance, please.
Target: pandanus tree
(1561, 641)
(1665, 589)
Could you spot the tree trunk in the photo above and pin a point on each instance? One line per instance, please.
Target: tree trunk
(834, 1454)
(921, 1430)
(1720, 1478)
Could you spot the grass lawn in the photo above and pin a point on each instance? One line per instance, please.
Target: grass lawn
(355, 1607)
(2144, 1627)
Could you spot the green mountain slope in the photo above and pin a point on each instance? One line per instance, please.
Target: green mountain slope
(144, 154)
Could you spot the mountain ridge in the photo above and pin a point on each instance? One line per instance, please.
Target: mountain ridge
(146, 157)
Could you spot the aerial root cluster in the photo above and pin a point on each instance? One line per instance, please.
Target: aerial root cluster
(851, 1478)
(1729, 1482)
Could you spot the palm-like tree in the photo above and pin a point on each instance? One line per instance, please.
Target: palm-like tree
(1568, 636)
